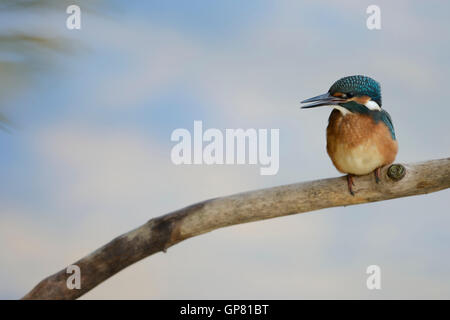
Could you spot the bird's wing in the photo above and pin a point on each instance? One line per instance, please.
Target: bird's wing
(386, 118)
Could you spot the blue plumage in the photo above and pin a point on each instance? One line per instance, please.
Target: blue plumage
(358, 86)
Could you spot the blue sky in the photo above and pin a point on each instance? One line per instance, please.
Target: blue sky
(89, 157)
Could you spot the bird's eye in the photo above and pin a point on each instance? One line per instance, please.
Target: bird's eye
(349, 95)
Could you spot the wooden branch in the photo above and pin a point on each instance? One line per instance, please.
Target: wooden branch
(160, 233)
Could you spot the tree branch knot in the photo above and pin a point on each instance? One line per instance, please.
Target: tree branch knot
(396, 172)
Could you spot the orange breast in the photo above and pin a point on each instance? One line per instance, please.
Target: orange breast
(358, 145)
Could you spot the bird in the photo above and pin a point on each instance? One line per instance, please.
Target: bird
(360, 134)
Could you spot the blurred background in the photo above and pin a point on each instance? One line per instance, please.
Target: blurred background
(85, 146)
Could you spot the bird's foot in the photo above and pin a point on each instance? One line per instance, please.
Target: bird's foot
(350, 184)
(377, 172)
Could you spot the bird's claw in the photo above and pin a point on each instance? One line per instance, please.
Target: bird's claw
(350, 183)
(377, 175)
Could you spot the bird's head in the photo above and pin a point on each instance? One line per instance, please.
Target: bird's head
(350, 94)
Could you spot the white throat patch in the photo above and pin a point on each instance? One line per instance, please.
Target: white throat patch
(372, 105)
(341, 109)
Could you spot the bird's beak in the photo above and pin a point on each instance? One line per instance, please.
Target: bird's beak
(322, 100)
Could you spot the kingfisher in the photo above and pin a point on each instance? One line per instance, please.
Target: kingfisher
(360, 133)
